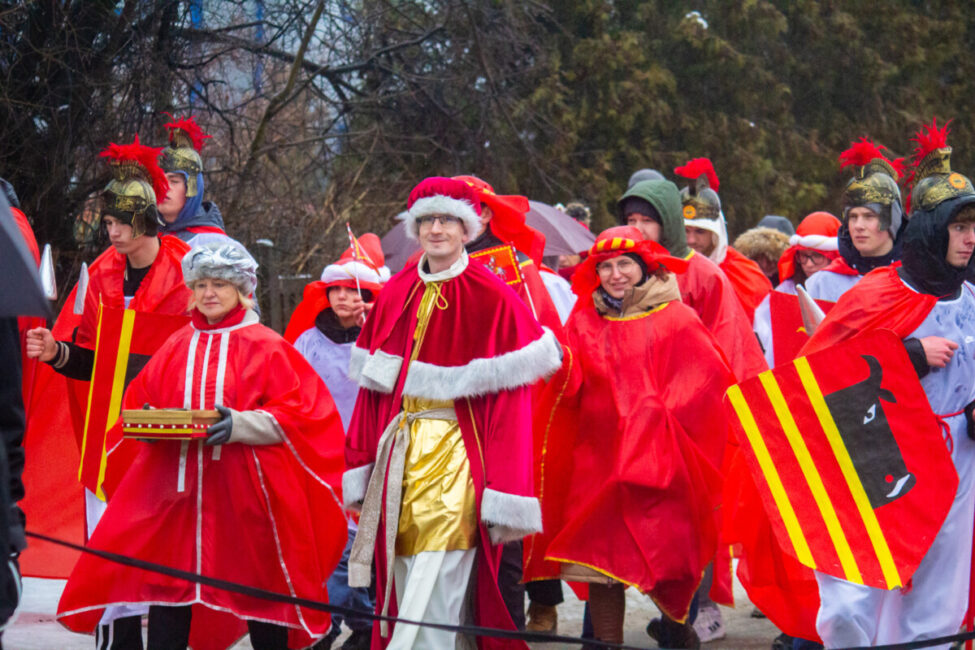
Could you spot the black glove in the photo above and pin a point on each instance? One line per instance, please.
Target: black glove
(219, 433)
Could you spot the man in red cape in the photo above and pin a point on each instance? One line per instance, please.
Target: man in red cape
(928, 304)
(440, 445)
(140, 271)
(707, 233)
(638, 445)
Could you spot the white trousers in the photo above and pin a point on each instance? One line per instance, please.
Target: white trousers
(431, 586)
(852, 615)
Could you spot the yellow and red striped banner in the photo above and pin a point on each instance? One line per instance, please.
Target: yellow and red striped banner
(125, 340)
(849, 459)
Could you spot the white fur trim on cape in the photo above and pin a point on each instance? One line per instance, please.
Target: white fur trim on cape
(510, 517)
(521, 367)
(816, 242)
(441, 204)
(354, 483)
(377, 371)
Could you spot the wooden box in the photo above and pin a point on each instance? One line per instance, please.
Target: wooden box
(168, 424)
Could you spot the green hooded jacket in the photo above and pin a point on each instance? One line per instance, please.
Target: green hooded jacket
(665, 197)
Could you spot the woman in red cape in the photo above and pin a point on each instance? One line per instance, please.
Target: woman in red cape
(260, 512)
(636, 435)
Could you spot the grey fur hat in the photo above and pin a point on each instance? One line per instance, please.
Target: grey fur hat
(221, 261)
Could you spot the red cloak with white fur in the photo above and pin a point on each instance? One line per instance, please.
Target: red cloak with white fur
(261, 515)
(483, 351)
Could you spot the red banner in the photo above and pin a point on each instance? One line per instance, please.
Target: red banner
(788, 332)
(502, 261)
(125, 341)
(849, 459)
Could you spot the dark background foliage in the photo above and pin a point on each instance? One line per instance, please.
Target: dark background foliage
(326, 111)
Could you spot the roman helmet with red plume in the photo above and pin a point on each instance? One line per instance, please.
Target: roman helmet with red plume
(931, 177)
(874, 183)
(137, 184)
(613, 242)
(701, 204)
(186, 140)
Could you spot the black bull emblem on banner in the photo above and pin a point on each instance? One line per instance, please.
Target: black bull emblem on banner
(860, 419)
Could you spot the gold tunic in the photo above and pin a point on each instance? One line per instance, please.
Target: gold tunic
(437, 512)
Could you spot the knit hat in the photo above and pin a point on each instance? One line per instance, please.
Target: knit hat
(137, 185)
(780, 223)
(817, 232)
(441, 195)
(221, 261)
(701, 204)
(186, 140)
(644, 175)
(874, 184)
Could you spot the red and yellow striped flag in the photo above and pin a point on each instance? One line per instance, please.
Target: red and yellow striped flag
(849, 459)
(125, 340)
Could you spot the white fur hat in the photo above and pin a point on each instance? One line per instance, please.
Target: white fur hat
(441, 195)
(221, 261)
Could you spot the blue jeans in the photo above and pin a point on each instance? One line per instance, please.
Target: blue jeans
(341, 594)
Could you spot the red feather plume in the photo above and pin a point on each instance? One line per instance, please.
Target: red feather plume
(860, 153)
(146, 157)
(192, 129)
(696, 167)
(928, 138)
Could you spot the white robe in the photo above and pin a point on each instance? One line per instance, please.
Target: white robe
(854, 615)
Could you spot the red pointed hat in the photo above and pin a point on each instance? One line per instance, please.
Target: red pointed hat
(508, 220)
(614, 242)
(442, 195)
(817, 232)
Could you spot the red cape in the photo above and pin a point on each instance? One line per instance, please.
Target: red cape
(481, 320)
(750, 284)
(313, 301)
(880, 300)
(267, 515)
(839, 265)
(54, 502)
(705, 289)
(628, 475)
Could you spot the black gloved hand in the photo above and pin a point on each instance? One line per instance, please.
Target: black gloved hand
(219, 433)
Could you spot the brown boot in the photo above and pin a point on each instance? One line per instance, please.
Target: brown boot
(543, 619)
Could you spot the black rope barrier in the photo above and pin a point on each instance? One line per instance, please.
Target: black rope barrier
(472, 630)
(256, 592)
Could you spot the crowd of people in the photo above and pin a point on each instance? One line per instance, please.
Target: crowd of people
(439, 444)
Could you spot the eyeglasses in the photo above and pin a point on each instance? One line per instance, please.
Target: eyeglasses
(623, 265)
(810, 256)
(443, 219)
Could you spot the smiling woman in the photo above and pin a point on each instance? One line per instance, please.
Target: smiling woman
(253, 502)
